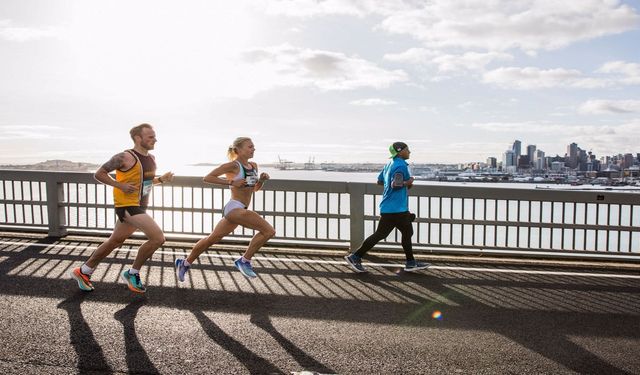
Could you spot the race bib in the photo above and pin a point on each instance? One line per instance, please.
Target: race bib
(252, 180)
(147, 185)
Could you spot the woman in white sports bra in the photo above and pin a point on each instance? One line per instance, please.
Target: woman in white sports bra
(242, 177)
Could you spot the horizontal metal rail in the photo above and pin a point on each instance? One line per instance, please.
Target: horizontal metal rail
(342, 214)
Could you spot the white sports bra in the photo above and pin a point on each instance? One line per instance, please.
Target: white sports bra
(250, 175)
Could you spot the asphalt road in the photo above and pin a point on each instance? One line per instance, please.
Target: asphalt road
(309, 312)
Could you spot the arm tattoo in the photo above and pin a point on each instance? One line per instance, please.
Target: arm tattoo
(114, 163)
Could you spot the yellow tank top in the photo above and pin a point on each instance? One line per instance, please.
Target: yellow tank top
(141, 175)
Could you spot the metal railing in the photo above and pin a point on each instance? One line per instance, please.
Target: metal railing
(342, 214)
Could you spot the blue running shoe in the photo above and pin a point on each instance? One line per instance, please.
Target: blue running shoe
(133, 281)
(355, 262)
(245, 268)
(181, 269)
(413, 266)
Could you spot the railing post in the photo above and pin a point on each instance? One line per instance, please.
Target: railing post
(356, 209)
(56, 215)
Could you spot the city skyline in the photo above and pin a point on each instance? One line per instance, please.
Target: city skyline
(536, 158)
(336, 81)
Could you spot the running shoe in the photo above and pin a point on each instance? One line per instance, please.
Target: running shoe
(413, 266)
(133, 281)
(83, 280)
(181, 269)
(245, 268)
(355, 262)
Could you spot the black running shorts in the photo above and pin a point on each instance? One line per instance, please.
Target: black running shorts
(132, 210)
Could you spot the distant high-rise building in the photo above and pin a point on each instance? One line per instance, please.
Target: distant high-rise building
(492, 162)
(571, 157)
(517, 149)
(531, 153)
(524, 162)
(508, 159)
(627, 161)
(557, 166)
(582, 159)
(539, 161)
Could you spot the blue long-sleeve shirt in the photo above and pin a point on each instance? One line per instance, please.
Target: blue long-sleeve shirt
(396, 199)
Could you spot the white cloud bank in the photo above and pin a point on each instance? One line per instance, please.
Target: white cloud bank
(613, 73)
(628, 73)
(536, 78)
(288, 66)
(26, 132)
(446, 62)
(12, 33)
(369, 102)
(598, 107)
(496, 25)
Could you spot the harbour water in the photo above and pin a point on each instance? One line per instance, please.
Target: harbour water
(368, 177)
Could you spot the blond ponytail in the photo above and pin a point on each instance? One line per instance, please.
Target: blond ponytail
(231, 151)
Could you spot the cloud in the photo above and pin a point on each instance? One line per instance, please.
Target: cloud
(24, 34)
(417, 56)
(536, 78)
(496, 25)
(613, 73)
(551, 129)
(448, 63)
(373, 102)
(504, 24)
(610, 106)
(611, 139)
(305, 8)
(15, 132)
(315, 8)
(501, 127)
(287, 66)
(627, 73)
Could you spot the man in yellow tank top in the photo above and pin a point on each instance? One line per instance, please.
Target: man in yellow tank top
(135, 177)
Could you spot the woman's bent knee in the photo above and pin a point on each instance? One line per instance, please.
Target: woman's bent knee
(269, 233)
(157, 241)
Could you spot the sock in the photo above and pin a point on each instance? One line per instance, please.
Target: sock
(186, 263)
(245, 260)
(86, 270)
(133, 271)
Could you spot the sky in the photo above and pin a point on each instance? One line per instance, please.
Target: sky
(329, 81)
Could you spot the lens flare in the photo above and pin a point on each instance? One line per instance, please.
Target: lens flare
(437, 315)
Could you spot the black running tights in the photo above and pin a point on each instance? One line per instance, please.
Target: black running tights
(401, 221)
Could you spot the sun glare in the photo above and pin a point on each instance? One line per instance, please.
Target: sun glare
(159, 52)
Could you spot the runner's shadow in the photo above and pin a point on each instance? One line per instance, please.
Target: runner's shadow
(254, 363)
(137, 359)
(89, 352)
(262, 320)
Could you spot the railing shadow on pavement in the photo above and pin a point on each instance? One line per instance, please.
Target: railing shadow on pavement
(538, 312)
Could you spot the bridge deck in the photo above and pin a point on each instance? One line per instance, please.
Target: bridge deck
(310, 312)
